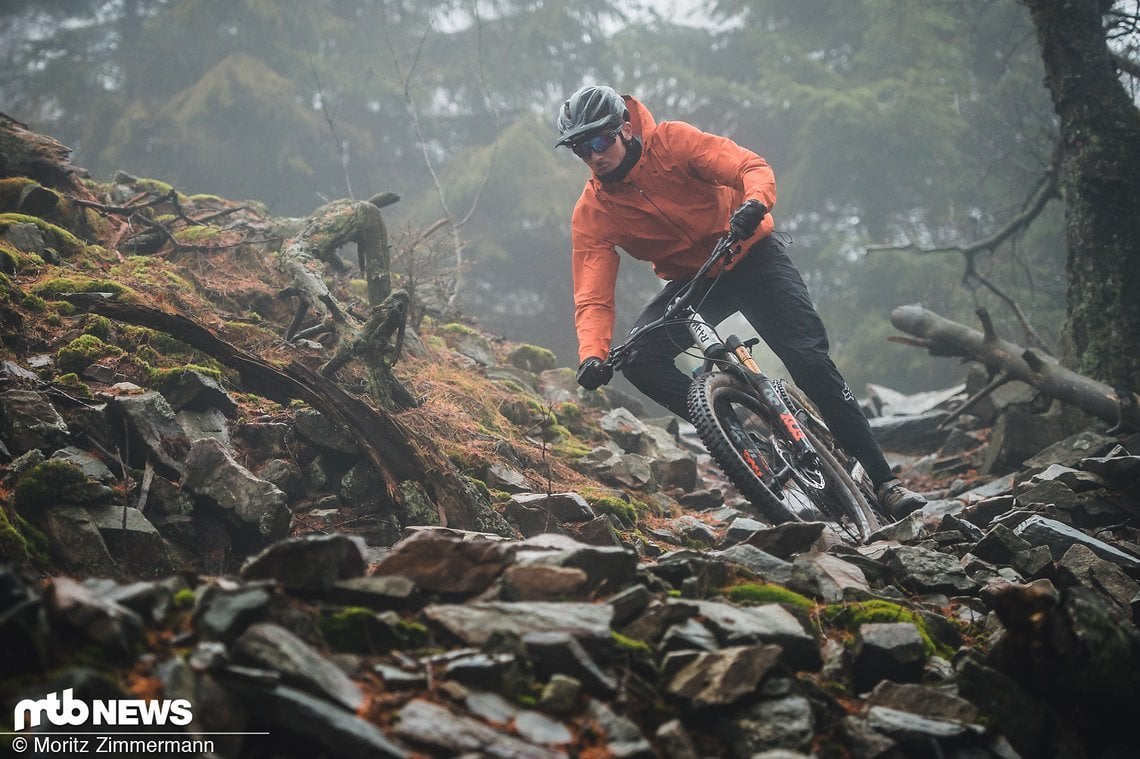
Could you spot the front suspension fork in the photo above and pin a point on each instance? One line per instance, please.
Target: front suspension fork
(763, 385)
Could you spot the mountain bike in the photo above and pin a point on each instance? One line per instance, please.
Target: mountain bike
(762, 432)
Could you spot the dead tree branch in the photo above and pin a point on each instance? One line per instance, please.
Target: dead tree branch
(943, 337)
(1045, 191)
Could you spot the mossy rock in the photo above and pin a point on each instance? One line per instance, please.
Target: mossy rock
(851, 616)
(626, 511)
(626, 643)
(57, 238)
(98, 326)
(82, 352)
(14, 545)
(12, 190)
(74, 384)
(523, 411)
(359, 630)
(532, 358)
(47, 482)
(766, 593)
(455, 329)
(417, 507)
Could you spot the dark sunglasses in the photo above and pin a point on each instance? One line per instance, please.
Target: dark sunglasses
(599, 144)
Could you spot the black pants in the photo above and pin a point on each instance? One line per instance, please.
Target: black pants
(767, 289)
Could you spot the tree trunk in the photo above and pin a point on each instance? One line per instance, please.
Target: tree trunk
(324, 232)
(1100, 181)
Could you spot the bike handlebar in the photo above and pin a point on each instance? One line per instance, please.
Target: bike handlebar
(722, 249)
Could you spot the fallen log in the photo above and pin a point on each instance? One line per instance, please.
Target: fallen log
(407, 461)
(943, 337)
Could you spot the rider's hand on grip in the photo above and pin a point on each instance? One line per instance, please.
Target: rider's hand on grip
(745, 219)
(593, 373)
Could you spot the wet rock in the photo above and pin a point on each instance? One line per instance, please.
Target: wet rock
(438, 563)
(564, 507)
(539, 582)
(607, 568)
(251, 503)
(1059, 538)
(788, 539)
(136, 543)
(557, 652)
(771, 727)
(308, 564)
(475, 623)
(435, 728)
(195, 391)
(826, 577)
(1099, 575)
(224, 609)
(761, 563)
(722, 677)
(275, 648)
(923, 700)
(768, 623)
(304, 724)
(154, 430)
(888, 651)
(29, 422)
(115, 628)
(78, 545)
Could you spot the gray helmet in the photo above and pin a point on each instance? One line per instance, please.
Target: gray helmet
(590, 111)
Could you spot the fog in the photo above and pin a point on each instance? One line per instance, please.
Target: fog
(888, 125)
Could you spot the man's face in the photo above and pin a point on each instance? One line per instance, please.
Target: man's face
(603, 159)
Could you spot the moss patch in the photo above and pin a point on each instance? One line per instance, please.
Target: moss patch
(626, 511)
(850, 616)
(83, 351)
(65, 243)
(57, 287)
(626, 643)
(532, 358)
(766, 593)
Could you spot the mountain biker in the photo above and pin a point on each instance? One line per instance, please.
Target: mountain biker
(665, 193)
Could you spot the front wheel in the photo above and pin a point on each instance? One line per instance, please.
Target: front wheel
(763, 463)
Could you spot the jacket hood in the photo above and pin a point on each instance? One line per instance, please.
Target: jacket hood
(639, 118)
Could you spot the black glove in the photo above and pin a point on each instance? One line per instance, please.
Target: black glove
(745, 219)
(592, 373)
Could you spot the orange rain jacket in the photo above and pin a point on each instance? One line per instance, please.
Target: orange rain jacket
(669, 210)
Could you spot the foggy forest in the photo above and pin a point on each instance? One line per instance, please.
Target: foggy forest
(903, 133)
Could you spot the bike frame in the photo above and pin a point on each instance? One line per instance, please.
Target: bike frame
(731, 354)
(734, 355)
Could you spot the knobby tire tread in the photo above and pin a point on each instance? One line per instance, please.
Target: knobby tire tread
(702, 413)
(702, 400)
(854, 503)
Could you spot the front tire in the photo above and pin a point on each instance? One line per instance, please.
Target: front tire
(718, 402)
(763, 464)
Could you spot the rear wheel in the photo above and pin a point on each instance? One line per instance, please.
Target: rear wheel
(763, 463)
(863, 505)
